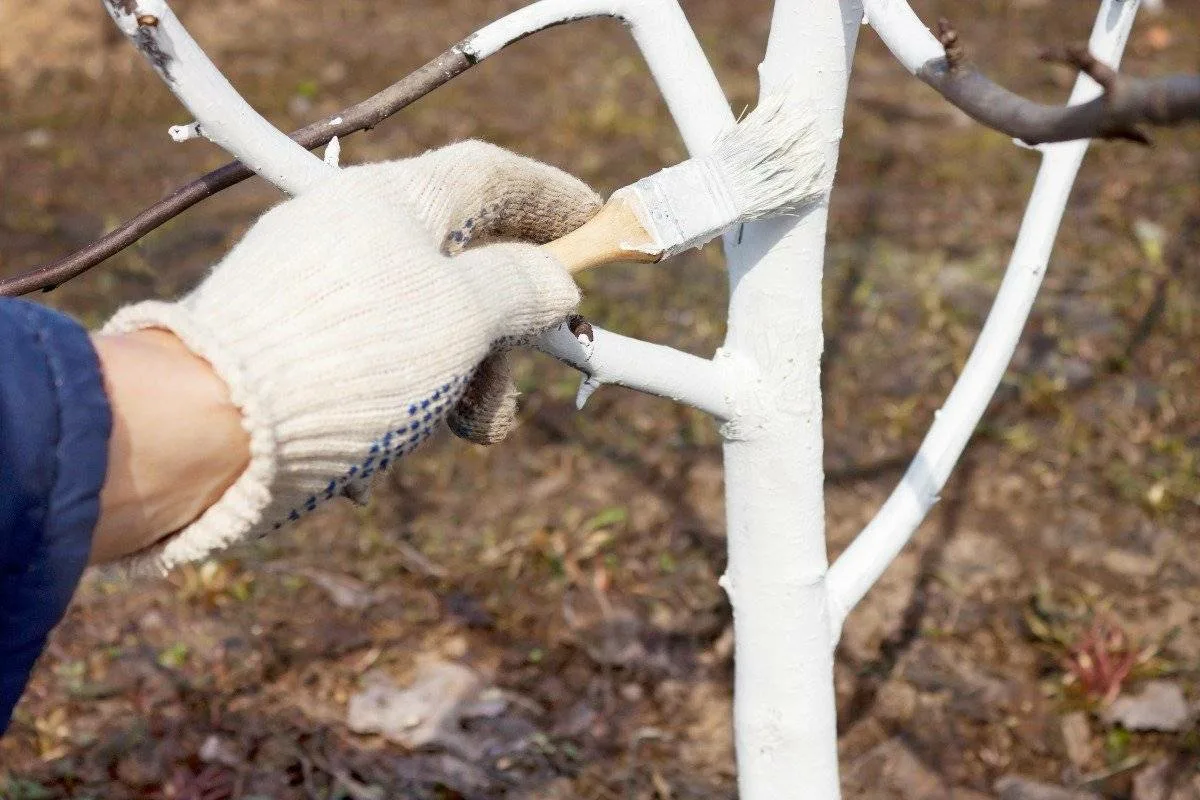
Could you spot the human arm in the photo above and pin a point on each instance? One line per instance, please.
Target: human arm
(54, 431)
(344, 317)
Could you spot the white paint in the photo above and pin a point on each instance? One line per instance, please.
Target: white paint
(903, 32)
(184, 133)
(224, 116)
(673, 55)
(1027, 146)
(770, 163)
(651, 368)
(587, 388)
(333, 152)
(869, 555)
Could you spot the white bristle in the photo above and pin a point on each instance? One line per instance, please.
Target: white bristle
(773, 160)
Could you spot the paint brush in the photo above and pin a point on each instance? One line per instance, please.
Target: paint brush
(772, 162)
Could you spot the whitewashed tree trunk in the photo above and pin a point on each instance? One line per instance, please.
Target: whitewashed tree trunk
(786, 723)
(763, 385)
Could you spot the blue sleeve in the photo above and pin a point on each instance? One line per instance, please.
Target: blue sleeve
(54, 428)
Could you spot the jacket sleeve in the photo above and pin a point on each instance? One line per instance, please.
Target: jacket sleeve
(55, 423)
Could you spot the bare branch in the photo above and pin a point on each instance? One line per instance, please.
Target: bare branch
(358, 117)
(1127, 103)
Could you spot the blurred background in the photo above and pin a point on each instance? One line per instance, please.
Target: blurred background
(574, 567)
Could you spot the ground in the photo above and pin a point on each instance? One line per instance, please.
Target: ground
(574, 567)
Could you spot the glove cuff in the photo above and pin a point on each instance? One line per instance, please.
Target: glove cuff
(243, 505)
(320, 424)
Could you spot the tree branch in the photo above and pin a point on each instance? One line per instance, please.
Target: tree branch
(606, 357)
(1126, 104)
(864, 561)
(358, 117)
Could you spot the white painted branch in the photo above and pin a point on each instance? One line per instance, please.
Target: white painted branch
(650, 368)
(903, 32)
(882, 540)
(666, 40)
(224, 117)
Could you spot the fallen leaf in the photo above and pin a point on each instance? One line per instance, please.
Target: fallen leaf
(1161, 706)
(425, 713)
(1015, 787)
(344, 591)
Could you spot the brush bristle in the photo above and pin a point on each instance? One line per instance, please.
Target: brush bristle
(774, 159)
(773, 162)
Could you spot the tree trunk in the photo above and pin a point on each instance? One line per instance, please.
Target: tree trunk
(784, 710)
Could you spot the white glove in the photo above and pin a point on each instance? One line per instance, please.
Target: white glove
(345, 329)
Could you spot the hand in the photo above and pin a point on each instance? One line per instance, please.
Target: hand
(346, 329)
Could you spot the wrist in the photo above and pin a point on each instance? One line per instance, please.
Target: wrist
(177, 445)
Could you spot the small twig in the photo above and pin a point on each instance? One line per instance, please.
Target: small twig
(306, 772)
(582, 329)
(948, 36)
(1126, 104)
(418, 562)
(228, 120)
(1078, 56)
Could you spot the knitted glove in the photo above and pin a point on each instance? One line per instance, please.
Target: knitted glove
(345, 329)
(487, 411)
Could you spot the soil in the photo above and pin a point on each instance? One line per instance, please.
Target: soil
(574, 567)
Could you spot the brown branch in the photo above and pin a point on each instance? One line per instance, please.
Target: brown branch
(358, 117)
(1126, 105)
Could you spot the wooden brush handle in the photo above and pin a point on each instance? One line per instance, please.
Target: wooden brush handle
(609, 236)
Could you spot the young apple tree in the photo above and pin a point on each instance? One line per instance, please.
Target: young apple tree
(762, 385)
